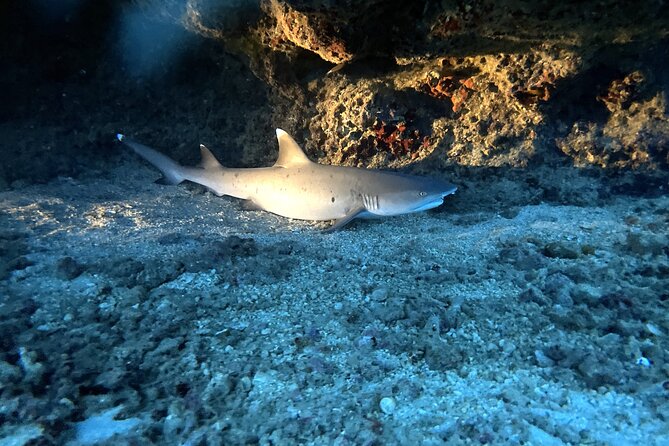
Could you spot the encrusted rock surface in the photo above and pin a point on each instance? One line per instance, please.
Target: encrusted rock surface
(359, 82)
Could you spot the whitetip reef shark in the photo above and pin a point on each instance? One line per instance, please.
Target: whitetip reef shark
(296, 187)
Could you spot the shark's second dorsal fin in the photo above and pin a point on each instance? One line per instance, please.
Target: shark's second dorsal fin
(208, 161)
(290, 153)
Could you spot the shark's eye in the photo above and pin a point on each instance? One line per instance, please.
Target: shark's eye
(422, 194)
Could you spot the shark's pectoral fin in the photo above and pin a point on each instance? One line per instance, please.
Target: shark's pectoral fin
(341, 222)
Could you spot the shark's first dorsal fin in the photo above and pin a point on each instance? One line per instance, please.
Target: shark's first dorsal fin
(290, 153)
(208, 161)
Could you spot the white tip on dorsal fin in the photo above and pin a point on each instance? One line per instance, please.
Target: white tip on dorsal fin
(289, 152)
(208, 161)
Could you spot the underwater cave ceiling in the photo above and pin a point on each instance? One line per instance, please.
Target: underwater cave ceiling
(359, 82)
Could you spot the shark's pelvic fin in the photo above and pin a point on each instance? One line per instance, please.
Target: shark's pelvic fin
(290, 153)
(209, 161)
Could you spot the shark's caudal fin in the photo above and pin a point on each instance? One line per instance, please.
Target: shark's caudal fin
(173, 172)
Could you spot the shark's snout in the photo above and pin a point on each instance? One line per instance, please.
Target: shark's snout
(451, 190)
(436, 199)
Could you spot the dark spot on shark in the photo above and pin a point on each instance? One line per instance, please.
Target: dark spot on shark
(332, 199)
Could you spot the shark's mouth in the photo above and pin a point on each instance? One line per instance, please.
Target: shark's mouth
(429, 205)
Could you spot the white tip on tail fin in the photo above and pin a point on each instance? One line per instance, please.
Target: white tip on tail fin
(172, 171)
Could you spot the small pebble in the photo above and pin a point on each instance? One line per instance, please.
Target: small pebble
(68, 269)
(653, 329)
(379, 294)
(388, 405)
(557, 250)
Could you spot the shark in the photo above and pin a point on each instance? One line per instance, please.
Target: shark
(298, 188)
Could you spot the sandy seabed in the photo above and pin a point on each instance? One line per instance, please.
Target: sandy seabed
(134, 313)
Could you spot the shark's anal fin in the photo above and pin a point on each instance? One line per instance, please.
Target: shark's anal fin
(341, 222)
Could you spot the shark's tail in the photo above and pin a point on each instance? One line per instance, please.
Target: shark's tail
(173, 172)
